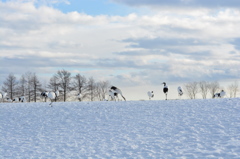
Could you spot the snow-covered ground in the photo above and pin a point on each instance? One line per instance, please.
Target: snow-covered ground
(133, 129)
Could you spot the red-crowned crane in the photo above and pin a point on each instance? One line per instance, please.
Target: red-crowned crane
(51, 95)
(44, 95)
(180, 92)
(165, 89)
(20, 99)
(150, 94)
(219, 95)
(79, 96)
(117, 91)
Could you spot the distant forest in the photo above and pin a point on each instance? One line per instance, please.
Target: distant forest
(69, 87)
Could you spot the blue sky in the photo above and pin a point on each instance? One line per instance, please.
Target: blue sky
(136, 45)
(94, 7)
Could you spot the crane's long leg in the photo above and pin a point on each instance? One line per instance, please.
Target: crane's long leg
(51, 103)
(123, 97)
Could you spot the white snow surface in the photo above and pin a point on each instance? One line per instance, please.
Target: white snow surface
(132, 129)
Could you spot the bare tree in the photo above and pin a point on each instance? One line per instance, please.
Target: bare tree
(36, 85)
(10, 85)
(29, 88)
(80, 85)
(53, 83)
(204, 88)
(191, 89)
(102, 89)
(64, 79)
(230, 90)
(91, 88)
(213, 87)
(22, 85)
(233, 89)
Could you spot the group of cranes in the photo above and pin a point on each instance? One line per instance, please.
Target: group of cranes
(51, 95)
(112, 94)
(4, 97)
(165, 91)
(20, 99)
(180, 92)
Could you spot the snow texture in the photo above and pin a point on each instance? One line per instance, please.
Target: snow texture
(133, 129)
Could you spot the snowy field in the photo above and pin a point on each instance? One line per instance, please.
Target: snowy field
(133, 129)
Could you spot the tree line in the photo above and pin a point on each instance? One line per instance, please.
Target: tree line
(204, 88)
(30, 86)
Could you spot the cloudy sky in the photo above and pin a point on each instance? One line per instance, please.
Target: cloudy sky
(136, 45)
